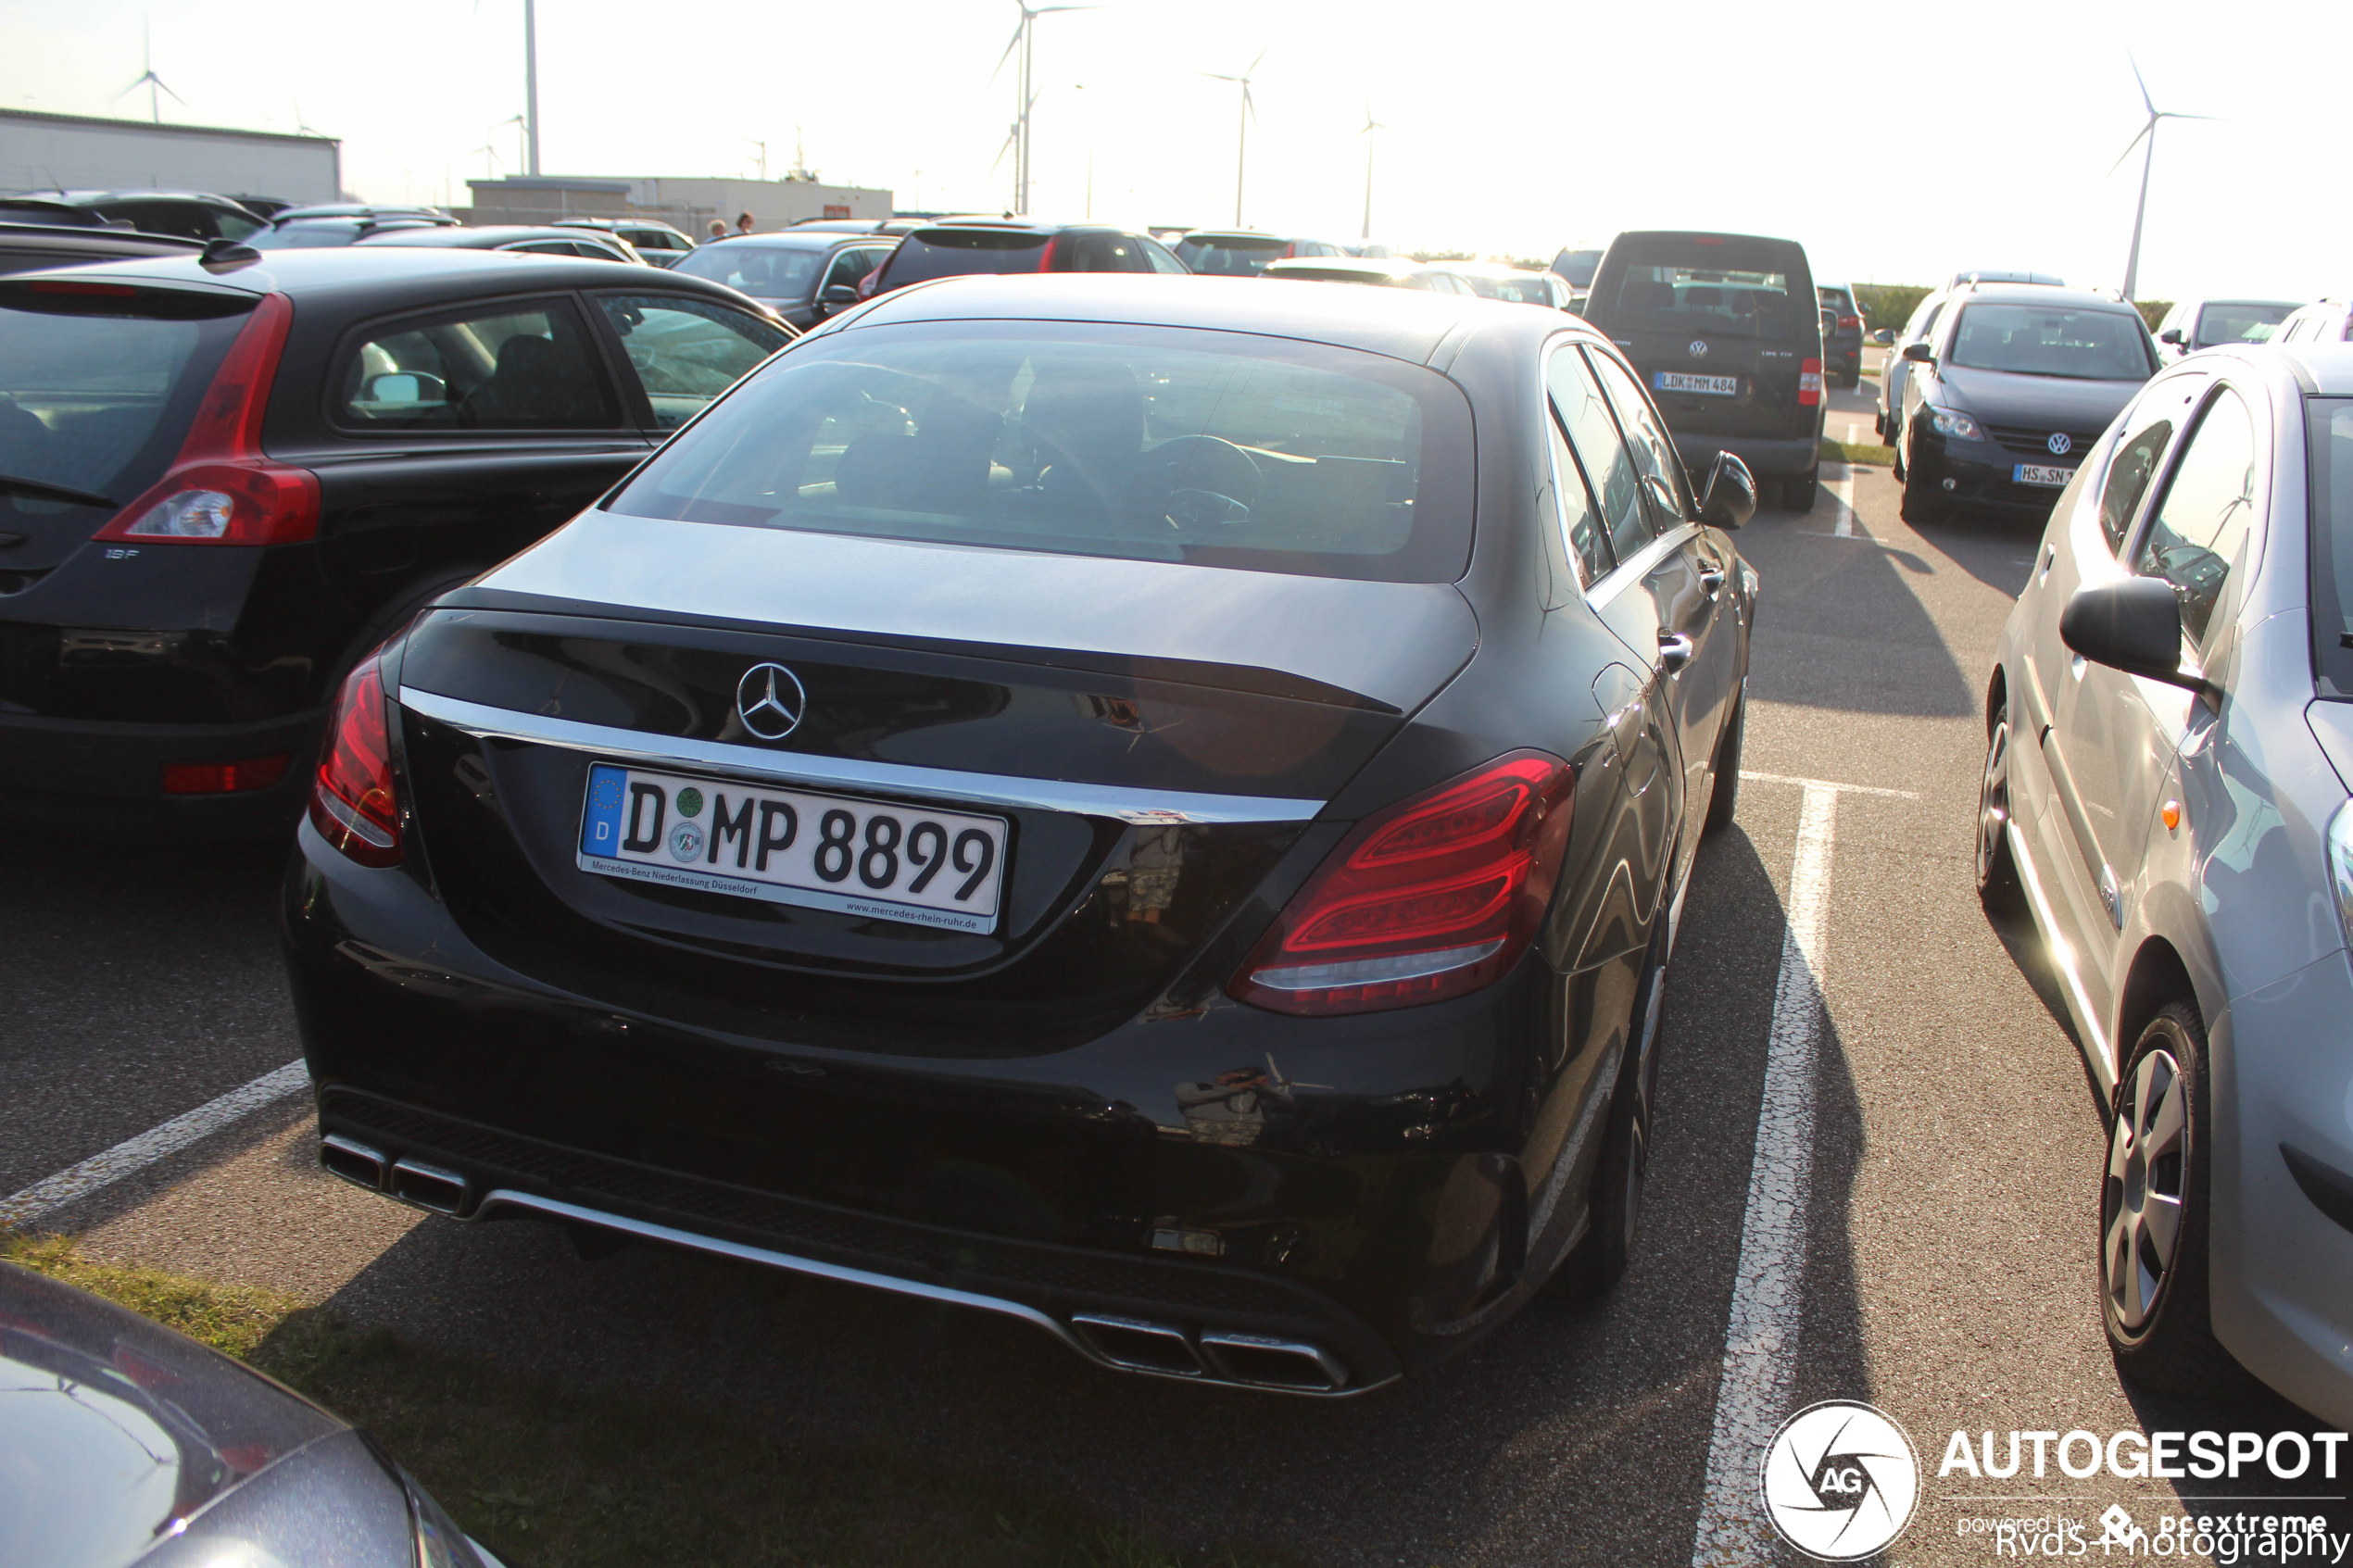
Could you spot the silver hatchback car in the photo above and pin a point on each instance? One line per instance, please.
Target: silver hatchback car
(2169, 733)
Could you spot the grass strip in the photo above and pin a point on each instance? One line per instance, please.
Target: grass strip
(552, 1477)
(1857, 452)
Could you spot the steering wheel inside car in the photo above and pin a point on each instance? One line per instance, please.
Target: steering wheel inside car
(1198, 482)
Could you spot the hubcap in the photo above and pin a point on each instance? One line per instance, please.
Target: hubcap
(1993, 800)
(2143, 1211)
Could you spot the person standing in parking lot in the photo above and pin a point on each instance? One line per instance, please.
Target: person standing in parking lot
(743, 223)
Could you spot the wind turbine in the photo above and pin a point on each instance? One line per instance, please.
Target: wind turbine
(518, 121)
(1025, 34)
(2147, 133)
(1371, 125)
(1250, 112)
(148, 79)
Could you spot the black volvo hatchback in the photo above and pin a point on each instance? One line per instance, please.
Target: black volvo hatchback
(1152, 807)
(222, 482)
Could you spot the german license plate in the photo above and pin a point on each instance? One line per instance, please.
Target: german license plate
(1683, 380)
(2038, 473)
(790, 846)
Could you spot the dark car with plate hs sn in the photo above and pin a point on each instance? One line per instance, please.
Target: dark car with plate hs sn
(1155, 808)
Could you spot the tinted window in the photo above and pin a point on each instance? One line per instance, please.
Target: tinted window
(315, 233)
(1653, 452)
(2128, 476)
(2201, 526)
(1101, 252)
(1580, 520)
(1618, 483)
(497, 367)
(2329, 434)
(1161, 258)
(2040, 340)
(1729, 289)
(1577, 266)
(1143, 444)
(849, 269)
(950, 253)
(1229, 257)
(96, 401)
(686, 351)
(1923, 320)
(761, 271)
(2236, 320)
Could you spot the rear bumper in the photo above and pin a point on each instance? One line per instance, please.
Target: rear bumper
(1767, 458)
(101, 776)
(1368, 1205)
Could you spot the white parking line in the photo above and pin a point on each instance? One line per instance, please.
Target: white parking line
(1842, 491)
(133, 1154)
(1760, 1337)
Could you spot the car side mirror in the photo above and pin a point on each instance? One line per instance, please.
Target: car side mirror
(2171, 336)
(1884, 335)
(840, 294)
(2134, 625)
(1920, 353)
(1729, 499)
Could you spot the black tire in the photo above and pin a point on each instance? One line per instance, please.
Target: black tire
(1621, 1174)
(2155, 1302)
(1920, 503)
(1893, 437)
(1725, 792)
(1797, 494)
(1997, 881)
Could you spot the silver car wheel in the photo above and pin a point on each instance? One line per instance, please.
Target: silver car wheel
(1994, 802)
(2145, 1171)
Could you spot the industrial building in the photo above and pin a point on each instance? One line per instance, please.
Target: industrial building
(80, 153)
(687, 204)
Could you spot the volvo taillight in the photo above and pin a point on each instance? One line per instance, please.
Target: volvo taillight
(1431, 899)
(1810, 383)
(352, 801)
(220, 489)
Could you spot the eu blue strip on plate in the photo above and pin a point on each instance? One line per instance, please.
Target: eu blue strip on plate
(600, 832)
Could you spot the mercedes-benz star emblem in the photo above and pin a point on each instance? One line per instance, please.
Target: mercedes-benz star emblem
(771, 701)
(1699, 349)
(2059, 444)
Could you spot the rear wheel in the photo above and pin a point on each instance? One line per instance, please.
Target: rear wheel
(2154, 1216)
(1621, 1175)
(1797, 494)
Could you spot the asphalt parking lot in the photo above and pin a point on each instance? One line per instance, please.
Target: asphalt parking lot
(1942, 1205)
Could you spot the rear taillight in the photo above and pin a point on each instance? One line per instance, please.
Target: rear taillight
(352, 803)
(1046, 260)
(1810, 383)
(1846, 322)
(225, 778)
(1431, 899)
(220, 489)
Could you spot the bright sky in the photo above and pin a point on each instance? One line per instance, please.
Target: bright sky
(1897, 143)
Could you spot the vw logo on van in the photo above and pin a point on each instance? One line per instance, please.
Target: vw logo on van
(2059, 444)
(770, 700)
(1699, 349)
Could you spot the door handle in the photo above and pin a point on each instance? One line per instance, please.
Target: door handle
(1711, 577)
(1674, 651)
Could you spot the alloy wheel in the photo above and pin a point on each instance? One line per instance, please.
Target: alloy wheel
(2144, 1201)
(1994, 802)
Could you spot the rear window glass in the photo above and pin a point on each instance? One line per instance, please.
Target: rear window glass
(2033, 340)
(951, 253)
(761, 271)
(2238, 321)
(1143, 444)
(1577, 266)
(1230, 258)
(98, 401)
(1727, 289)
(308, 235)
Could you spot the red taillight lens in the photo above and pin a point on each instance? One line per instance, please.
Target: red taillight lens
(352, 803)
(1846, 322)
(1046, 257)
(220, 489)
(224, 778)
(1431, 899)
(1810, 383)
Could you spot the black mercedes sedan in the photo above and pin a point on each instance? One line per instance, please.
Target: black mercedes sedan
(222, 480)
(2004, 397)
(1153, 807)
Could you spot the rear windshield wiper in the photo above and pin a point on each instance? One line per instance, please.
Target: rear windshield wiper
(39, 490)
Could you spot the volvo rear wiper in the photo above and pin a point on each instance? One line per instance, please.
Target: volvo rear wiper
(41, 489)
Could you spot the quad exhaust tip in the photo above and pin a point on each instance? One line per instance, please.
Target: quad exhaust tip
(1251, 1360)
(411, 1181)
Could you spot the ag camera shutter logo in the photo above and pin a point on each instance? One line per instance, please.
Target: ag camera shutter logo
(1840, 1480)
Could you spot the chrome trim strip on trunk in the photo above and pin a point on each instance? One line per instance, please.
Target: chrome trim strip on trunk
(1146, 807)
(556, 1208)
